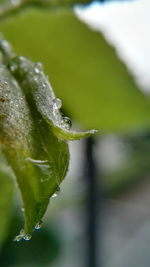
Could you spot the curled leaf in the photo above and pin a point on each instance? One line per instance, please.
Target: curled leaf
(33, 134)
(40, 94)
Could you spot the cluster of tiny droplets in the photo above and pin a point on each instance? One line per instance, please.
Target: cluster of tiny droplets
(27, 237)
(65, 123)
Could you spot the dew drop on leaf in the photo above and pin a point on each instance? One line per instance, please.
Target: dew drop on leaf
(20, 236)
(57, 103)
(66, 123)
(5, 45)
(45, 84)
(13, 67)
(56, 193)
(37, 161)
(21, 58)
(22, 232)
(23, 63)
(27, 237)
(38, 66)
(38, 225)
(17, 238)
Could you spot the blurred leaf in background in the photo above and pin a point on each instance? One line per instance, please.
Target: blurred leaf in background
(95, 86)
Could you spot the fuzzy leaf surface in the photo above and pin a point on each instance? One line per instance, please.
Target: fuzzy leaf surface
(32, 133)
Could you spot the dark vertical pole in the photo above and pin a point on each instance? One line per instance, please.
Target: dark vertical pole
(91, 214)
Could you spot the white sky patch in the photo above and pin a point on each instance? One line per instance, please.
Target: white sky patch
(127, 26)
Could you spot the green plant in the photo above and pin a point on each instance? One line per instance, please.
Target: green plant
(33, 131)
(33, 134)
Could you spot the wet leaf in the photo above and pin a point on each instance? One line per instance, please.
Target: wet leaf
(30, 128)
(40, 95)
(16, 140)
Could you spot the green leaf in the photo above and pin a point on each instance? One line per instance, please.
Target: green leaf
(93, 83)
(30, 129)
(40, 93)
(6, 198)
(15, 139)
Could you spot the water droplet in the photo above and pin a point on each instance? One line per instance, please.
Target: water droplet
(35, 78)
(38, 225)
(38, 67)
(66, 123)
(22, 232)
(27, 237)
(36, 70)
(24, 64)
(17, 238)
(44, 84)
(21, 58)
(13, 67)
(57, 103)
(37, 161)
(22, 209)
(5, 45)
(56, 193)
(20, 236)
